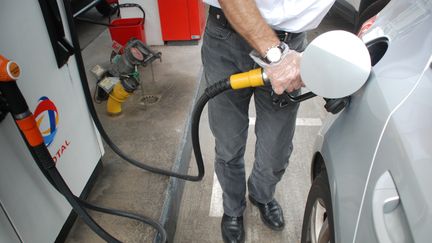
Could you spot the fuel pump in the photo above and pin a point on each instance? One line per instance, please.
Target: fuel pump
(26, 123)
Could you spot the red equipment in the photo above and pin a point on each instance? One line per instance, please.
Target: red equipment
(123, 29)
(181, 19)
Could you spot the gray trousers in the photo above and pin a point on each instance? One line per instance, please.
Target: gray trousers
(224, 52)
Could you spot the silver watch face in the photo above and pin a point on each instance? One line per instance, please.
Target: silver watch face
(274, 54)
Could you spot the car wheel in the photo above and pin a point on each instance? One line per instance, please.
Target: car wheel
(318, 216)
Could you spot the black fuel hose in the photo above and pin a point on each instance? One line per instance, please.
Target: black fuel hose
(44, 161)
(77, 206)
(32, 136)
(125, 214)
(208, 94)
(89, 100)
(27, 125)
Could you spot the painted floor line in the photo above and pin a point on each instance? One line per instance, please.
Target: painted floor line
(307, 122)
(216, 207)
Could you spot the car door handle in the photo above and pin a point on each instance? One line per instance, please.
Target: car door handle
(389, 217)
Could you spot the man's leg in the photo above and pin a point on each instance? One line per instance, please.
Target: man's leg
(274, 129)
(225, 53)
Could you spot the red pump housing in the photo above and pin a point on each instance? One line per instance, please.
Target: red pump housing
(181, 20)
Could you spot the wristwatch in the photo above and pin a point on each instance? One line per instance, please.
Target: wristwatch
(274, 53)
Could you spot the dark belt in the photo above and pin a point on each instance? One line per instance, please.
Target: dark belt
(218, 15)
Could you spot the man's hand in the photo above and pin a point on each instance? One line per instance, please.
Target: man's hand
(285, 74)
(246, 19)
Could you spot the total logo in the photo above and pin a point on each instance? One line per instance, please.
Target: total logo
(47, 119)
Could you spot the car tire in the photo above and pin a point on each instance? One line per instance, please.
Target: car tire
(318, 217)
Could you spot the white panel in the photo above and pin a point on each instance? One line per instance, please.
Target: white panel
(7, 233)
(36, 209)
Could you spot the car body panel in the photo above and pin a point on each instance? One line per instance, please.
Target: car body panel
(412, 19)
(348, 169)
(405, 152)
(413, 180)
(347, 141)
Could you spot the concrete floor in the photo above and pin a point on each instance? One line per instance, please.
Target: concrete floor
(154, 133)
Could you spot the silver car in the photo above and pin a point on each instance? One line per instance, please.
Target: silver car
(372, 167)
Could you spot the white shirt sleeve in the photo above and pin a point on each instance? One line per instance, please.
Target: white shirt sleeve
(290, 15)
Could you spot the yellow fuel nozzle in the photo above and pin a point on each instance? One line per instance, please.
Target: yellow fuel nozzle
(252, 78)
(117, 97)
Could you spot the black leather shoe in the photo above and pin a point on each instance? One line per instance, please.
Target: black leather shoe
(271, 214)
(232, 229)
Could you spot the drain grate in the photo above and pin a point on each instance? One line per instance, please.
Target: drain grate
(149, 99)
